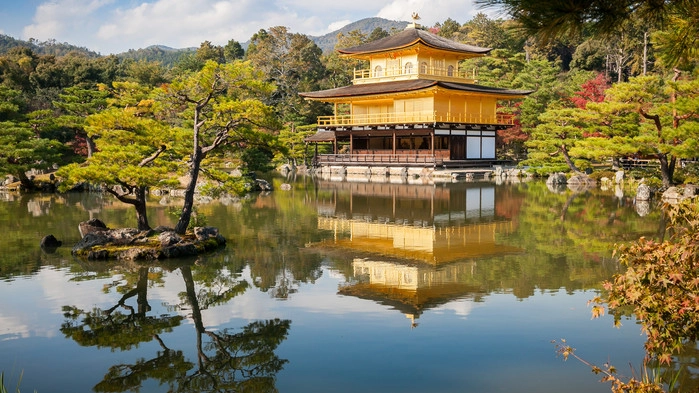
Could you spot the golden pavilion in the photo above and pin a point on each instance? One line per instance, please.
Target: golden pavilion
(412, 106)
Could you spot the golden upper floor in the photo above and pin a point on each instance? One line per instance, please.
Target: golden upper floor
(414, 78)
(413, 54)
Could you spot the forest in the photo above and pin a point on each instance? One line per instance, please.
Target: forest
(603, 92)
(612, 82)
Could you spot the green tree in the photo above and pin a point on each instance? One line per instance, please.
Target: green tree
(677, 43)
(135, 151)
(293, 138)
(340, 70)
(16, 66)
(221, 104)
(542, 76)
(11, 103)
(549, 19)
(76, 104)
(292, 62)
(208, 51)
(377, 34)
(448, 28)
(146, 73)
(485, 32)
(590, 55)
(552, 140)
(233, 51)
(22, 150)
(666, 115)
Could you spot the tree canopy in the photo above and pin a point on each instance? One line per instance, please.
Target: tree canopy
(221, 107)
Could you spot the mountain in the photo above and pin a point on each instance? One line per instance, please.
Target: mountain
(164, 54)
(169, 56)
(50, 47)
(367, 25)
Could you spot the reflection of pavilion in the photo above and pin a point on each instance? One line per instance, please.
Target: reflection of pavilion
(418, 243)
(412, 288)
(430, 224)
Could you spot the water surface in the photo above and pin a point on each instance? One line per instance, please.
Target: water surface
(331, 286)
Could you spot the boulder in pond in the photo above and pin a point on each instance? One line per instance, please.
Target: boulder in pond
(557, 178)
(50, 243)
(91, 225)
(643, 192)
(673, 195)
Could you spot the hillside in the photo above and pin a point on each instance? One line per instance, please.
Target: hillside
(367, 25)
(165, 55)
(50, 47)
(169, 56)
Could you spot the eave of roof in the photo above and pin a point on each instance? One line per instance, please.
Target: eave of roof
(369, 89)
(410, 37)
(321, 136)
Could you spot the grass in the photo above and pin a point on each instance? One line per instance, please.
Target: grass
(2, 383)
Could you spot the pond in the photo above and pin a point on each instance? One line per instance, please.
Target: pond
(328, 286)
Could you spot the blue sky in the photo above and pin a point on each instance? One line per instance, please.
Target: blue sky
(114, 26)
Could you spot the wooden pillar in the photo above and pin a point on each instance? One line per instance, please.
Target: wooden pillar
(394, 142)
(480, 110)
(432, 136)
(351, 144)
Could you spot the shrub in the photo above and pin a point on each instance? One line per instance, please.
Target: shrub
(661, 283)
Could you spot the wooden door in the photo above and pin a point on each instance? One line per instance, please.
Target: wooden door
(457, 147)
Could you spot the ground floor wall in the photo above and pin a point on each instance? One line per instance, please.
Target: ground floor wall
(441, 143)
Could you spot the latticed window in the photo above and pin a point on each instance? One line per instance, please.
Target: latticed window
(450, 70)
(423, 67)
(378, 71)
(408, 68)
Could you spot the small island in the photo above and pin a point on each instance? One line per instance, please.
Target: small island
(100, 243)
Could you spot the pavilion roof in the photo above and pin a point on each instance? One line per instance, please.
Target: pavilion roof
(369, 89)
(410, 37)
(321, 136)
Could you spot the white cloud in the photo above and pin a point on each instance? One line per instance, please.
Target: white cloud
(113, 26)
(461, 307)
(61, 18)
(338, 25)
(430, 11)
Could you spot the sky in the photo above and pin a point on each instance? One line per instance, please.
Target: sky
(115, 26)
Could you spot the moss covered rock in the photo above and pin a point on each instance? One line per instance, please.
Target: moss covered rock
(158, 243)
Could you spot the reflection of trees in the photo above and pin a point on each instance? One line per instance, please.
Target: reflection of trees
(592, 221)
(271, 236)
(226, 360)
(231, 361)
(574, 234)
(684, 369)
(239, 362)
(114, 328)
(567, 241)
(27, 218)
(165, 367)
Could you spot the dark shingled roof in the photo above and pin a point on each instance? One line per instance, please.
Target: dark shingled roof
(404, 86)
(321, 136)
(409, 37)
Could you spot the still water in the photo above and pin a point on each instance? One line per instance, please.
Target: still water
(327, 287)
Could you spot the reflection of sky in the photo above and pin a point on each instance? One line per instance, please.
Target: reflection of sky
(460, 307)
(349, 343)
(311, 299)
(49, 290)
(44, 294)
